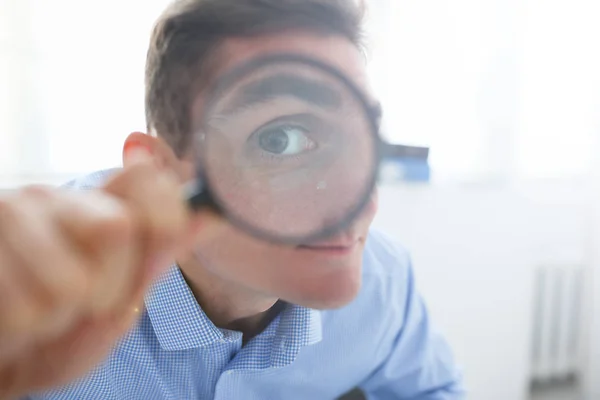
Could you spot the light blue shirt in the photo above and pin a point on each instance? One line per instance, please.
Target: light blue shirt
(382, 342)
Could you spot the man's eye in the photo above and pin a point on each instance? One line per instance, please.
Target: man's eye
(285, 140)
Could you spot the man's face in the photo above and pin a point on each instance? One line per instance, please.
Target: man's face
(320, 275)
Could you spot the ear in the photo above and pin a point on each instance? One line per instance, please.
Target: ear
(160, 151)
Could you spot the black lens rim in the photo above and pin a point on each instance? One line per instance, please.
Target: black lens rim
(212, 199)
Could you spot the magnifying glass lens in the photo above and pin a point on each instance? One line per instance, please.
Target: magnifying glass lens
(289, 150)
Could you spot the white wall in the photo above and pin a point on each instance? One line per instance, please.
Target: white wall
(475, 249)
(592, 383)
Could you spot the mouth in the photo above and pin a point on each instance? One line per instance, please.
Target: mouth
(338, 247)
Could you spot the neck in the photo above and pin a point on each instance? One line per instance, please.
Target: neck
(227, 304)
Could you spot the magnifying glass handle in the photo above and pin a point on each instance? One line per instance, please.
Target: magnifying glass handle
(388, 150)
(197, 195)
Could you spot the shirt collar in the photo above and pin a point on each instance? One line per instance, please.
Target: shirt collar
(179, 322)
(297, 327)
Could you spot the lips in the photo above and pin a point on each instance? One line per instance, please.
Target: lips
(341, 245)
(332, 246)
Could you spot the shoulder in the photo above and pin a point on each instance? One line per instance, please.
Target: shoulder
(387, 278)
(379, 311)
(90, 181)
(386, 288)
(387, 284)
(384, 257)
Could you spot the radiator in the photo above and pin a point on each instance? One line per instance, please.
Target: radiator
(556, 318)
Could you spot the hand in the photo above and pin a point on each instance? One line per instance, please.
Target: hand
(74, 267)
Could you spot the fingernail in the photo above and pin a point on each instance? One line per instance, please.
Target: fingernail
(136, 152)
(136, 146)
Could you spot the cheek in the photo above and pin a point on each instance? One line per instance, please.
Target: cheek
(371, 208)
(374, 203)
(281, 272)
(238, 257)
(323, 286)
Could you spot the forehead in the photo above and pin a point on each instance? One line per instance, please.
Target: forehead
(336, 51)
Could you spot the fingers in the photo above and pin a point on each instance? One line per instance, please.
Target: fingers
(39, 268)
(17, 311)
(153, 197)
(62, 255)
(65, 256)
(102, 230)
(74, 266)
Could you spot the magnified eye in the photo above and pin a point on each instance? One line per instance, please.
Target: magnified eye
(285, 140)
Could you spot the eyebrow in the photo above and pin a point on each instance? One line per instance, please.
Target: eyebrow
(280, 85)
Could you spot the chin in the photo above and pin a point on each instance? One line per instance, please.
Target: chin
(331, 290)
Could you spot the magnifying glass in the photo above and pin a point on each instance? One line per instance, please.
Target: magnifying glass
(287, 149)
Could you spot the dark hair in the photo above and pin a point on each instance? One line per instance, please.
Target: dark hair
(191, 30)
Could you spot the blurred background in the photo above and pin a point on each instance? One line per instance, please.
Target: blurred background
(503, 215)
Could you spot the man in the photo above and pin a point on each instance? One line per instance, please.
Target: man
(236, 317)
